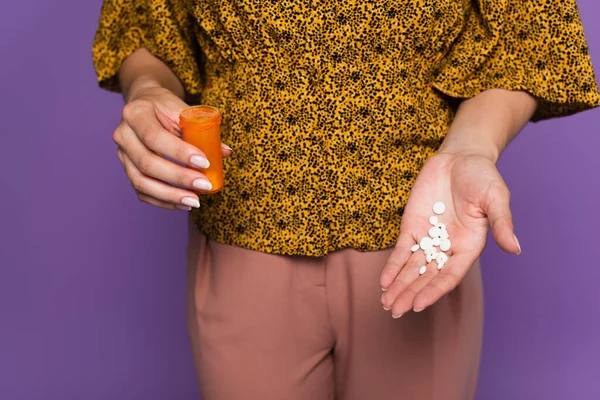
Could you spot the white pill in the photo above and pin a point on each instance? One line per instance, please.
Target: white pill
(415, 247)
(436, 241)
(431, 250)
(426, 243)
(445, 245)
(422, 270)
(439, 208)
(441, 226)
(433, 220)
(440, 266)
(441, 258)
(429, 258)
(434, 231)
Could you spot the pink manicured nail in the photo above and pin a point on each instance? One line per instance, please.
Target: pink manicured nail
(202, 184)
(418, 309)
(199, 162)
(227, 147)
(397, 316)
(190, 202)
(387, 309)
(517, 242)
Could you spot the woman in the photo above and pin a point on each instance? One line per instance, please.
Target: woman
(348, 121)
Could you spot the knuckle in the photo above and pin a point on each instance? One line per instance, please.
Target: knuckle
(391, 268)
(117, 136)
(132, 109)
(181, 153)
(411, 291)
(182, 177)
(149, 138)
(137, 183)
(144, 163)
(435, 284)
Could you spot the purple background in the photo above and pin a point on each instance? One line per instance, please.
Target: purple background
(92, 283)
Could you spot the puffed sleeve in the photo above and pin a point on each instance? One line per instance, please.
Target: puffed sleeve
(164, 27)
(536, 46)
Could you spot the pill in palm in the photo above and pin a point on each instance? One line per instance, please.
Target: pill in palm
(437, 242)
(441, 258)
(434, 232)
(426, 243)
(445, 245)
(439, 208)
(430, 250)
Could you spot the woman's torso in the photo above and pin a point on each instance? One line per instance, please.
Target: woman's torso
(330, 112)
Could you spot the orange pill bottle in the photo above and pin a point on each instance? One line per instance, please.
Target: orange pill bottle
(201, 127)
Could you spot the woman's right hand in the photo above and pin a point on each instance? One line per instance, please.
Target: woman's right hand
(149, 131)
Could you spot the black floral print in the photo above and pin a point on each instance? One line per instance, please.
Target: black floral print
(332, 107)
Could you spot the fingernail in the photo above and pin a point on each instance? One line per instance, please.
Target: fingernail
(418, 309)
(517, 242)
(387, 309)
(397, 316)
(199, 162)
(383, 289)
(190, 202)
(184, 208)
(227, 147)
(202, 184)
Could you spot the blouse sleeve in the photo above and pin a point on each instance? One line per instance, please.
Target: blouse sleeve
(534, 46)
(164, 27)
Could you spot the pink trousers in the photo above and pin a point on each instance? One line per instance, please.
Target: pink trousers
(273, 327)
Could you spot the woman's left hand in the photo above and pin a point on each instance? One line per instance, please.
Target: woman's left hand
(476, 198)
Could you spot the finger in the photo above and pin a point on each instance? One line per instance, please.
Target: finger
(445, 280)
(157, 189)
(404, 301)
(398, 258)
(158, 203)
(150, 164)
(226, 150)
(141, 117)
(403, 280)
(499, 216)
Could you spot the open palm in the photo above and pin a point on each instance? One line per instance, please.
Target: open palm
(476, 198)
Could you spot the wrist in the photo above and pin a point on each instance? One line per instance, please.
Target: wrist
(139, 85)
(484, 148)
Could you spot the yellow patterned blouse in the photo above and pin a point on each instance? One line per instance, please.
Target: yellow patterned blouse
(332, 107)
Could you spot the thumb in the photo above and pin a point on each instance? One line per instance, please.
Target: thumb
(497, 209)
